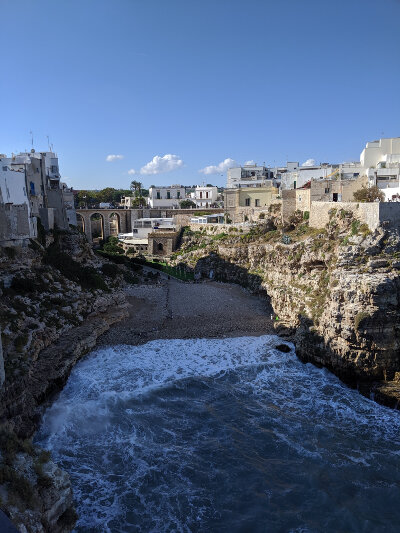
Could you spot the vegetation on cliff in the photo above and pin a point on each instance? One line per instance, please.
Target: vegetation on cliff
(336, 289)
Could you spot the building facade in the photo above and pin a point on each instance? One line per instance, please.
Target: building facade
(205, 196)
(248, 176)
(31, 190)
(243, 204)
(166, 197)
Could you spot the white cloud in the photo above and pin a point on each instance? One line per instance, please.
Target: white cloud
(220, 168)
(309, 163)
(132, 171)
(159, 164)
(251, 162)
(113, 157)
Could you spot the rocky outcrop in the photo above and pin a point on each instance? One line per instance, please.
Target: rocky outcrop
(335, 291)
(54, 304)
(21, 399)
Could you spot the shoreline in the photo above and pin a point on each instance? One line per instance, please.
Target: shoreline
(172, 309)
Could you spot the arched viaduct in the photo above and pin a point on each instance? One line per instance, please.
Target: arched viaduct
(125, 217)
(120, 224)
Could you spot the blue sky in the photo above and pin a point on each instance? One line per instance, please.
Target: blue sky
(186, 84)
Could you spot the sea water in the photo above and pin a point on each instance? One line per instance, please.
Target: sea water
(224, 435)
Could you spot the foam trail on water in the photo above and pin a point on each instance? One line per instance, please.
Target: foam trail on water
(221, 434)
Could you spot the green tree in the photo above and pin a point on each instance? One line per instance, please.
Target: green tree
(136, 187)
(186, 204)
(113, 246)
(369, 194)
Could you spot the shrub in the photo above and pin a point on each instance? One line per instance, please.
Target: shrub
(364, 230)
(110, 270)
(130, 278)
(355, 226)
(186, 204)
(86, 276)
(306, 215)
(369, 194)
(360, 317)
(112, 246)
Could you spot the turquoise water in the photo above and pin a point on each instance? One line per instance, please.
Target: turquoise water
(225, 435)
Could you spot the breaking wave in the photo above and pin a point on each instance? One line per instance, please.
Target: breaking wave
(226, 435)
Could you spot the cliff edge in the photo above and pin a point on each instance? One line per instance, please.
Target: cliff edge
(335, 291)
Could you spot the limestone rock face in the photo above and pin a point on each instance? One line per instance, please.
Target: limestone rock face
(50, 497)
(335, 291)
(49, 318)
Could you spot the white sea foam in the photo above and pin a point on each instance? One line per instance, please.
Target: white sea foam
(139, 428)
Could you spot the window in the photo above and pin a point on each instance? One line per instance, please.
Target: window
(5, 169)
(168, 195)
(158, 195)
(206, 194)
(326, 190)
(201, 194)
(178, 194)
(134, 230)
(247, 202)
(257, 202)
(54, 169)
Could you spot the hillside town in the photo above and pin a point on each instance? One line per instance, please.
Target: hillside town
(33, 197)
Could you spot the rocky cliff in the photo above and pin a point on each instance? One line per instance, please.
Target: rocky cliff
(335, 291)
(56, 298)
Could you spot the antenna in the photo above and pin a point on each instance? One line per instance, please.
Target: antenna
(31, 133)
(48, 142)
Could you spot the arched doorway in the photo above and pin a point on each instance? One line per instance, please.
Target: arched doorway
(160, 247)
(80, 222)
(115, 224)
(97, 227)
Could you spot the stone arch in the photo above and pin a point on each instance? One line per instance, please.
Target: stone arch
(114, 221)
(80, 221)
(97, 226)
(160, 247)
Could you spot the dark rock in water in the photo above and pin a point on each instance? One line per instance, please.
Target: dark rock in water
(283, 348)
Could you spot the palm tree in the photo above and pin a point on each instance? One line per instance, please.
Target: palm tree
(136, 188)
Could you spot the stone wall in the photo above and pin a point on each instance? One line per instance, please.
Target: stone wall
(212, 229)
(288, 203)
(14, 224)
(368, 213)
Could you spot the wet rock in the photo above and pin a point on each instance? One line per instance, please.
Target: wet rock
(283, 348)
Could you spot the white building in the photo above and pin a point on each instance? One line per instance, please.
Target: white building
(205, 196)
(208, 219)
(143, 226)
(166, 197)
(30, 188)
(381, 161)
(248, 176)
(16, 220)
(297, 176)
(382, 151)
(138, 238)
